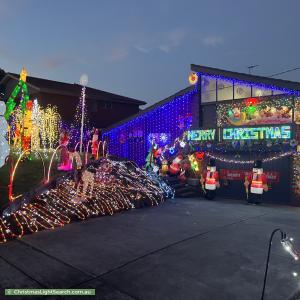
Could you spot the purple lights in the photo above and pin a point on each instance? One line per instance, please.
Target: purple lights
(171, 118)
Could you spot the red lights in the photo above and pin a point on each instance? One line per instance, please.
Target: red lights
(251, 101)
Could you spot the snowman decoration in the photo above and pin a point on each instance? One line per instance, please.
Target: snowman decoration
(4, 147)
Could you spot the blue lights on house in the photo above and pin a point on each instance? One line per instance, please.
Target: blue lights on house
(165, 123)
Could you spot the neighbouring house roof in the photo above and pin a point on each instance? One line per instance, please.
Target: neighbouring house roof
(144, 111)
(69, 89)
(268, 81)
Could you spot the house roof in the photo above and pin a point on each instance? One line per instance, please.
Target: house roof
(69, 89)
(268, 81)
(144, 111)
(271, 82)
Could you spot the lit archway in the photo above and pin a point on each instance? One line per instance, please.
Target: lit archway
(12, 176)
(51, 161)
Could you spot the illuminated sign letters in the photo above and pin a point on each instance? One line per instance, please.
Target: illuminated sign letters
(257, 133)
(201, 135)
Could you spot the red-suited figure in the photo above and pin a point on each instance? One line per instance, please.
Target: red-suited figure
(257, 182)
(95, 139)
(174, 168)
(64, 164)
(210, 180)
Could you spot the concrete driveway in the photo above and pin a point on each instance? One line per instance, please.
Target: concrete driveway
(183, 249)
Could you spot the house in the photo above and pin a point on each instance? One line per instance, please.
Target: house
(104, 108)
(232, 117)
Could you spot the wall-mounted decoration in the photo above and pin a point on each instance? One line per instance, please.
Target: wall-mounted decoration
(185, 121)
(229, 174)
(122, 138)
(159, 138)
(136, 136)
(256, 111)
(193, 78)
(297, 111)
(201, 135)
(257, 133)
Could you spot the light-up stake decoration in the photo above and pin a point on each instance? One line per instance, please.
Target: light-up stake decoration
(83, 82)
(10, 194)
(51, 161)
(287, 245)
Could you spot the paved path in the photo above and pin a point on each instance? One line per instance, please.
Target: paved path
(183, 249)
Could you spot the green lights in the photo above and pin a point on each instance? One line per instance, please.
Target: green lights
(257, 133)
(201, 135)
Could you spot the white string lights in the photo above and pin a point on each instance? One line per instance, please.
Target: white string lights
(117, 186)
(233, 161)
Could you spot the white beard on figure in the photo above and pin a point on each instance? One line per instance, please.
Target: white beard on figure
(4, 146)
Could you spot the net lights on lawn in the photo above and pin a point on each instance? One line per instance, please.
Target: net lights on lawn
(117, 186)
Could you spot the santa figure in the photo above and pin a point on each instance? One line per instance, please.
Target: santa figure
(258, 184)
(174, 168)
(210, 180)
(95, 139)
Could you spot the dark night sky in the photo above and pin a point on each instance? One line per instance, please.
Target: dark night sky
(143, 49)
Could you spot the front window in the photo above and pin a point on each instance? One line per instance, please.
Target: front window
(208, 89)
(225, 90)
(241, 91)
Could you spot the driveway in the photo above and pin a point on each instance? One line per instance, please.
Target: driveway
(182, 249)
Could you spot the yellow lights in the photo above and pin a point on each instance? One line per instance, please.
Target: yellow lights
(164, 167)
(36, 129)
(23, 75)
(193, 78)
(194, 163)
(51, 120)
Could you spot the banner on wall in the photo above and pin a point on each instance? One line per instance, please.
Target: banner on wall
(272, 176)
(257, 133)
(201, 135)
(256, 111)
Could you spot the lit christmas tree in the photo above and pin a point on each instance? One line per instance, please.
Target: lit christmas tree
(80, 125)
